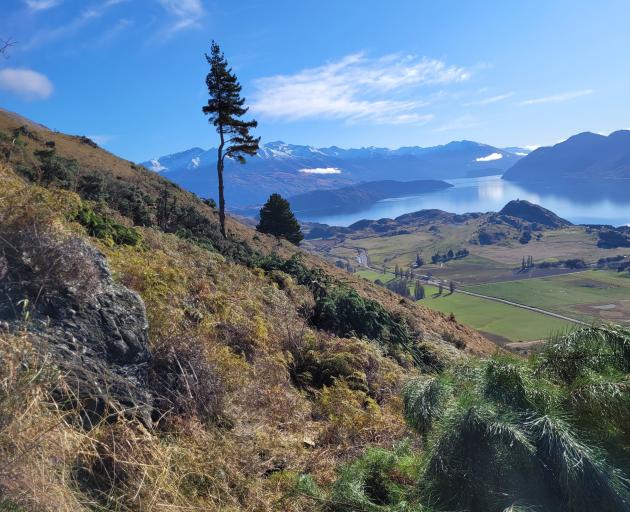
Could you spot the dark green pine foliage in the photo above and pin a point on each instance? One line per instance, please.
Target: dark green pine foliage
(276, 218)
(224, 110)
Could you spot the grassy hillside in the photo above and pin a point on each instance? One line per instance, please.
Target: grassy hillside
(268, 379)
(279, 383)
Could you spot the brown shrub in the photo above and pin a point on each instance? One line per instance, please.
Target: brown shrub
(38, 259)
(185, 383)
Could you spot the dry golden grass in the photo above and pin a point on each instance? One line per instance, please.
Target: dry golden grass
(247, 327)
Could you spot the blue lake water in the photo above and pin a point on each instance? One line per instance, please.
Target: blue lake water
(586, 203)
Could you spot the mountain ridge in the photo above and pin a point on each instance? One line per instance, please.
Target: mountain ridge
(293, 169)
(584, 156)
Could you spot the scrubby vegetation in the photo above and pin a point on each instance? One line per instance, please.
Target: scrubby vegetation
(549, 433)
(275, 382)
(104, 228)
(247, 390)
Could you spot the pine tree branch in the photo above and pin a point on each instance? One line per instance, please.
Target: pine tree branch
(5, 44)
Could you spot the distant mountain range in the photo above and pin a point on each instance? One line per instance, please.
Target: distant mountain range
(586, 156)
(291, 169)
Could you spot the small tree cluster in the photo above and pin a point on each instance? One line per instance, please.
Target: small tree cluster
(400, 286)
(449, 255)
(419, 292)
(401, 273)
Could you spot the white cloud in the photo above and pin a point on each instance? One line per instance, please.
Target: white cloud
(194, 163)
(26, 83)
(186, 13)
(490, 157)
(520, 153)
(532, 147)
(355, 88)
(492, 99)
(557, 98)
(41, 5)
(321, 170)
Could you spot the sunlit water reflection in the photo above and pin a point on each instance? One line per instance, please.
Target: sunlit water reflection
(592, 203)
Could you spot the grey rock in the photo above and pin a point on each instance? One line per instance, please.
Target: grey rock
(99, 341)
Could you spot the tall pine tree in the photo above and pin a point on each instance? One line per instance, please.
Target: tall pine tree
(276, 218)
(224, 109)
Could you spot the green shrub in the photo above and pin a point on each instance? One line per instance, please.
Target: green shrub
(379, 478)
(104, 228)
(343, 311)
(56, 170)
(543, 432)
(378, 481)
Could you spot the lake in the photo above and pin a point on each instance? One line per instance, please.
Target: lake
(582, 203)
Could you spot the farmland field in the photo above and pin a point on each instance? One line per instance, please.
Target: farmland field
(495, 270)
(589, 295)
(502, 322)
(495, 318)
(373, 275)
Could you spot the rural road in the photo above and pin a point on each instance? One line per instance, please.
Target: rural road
(496, 299)
(523, 306)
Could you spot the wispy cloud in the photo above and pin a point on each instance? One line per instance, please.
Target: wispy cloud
(41, 5)
(86, 17)
(114, 31)
(356, 88)
(492, 99)
(185, 13)
(557, 98)
(460, 123)
(25, 83)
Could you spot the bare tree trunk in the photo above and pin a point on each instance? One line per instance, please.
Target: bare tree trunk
(220, 176)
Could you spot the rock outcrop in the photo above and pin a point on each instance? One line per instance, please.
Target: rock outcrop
(97, 337)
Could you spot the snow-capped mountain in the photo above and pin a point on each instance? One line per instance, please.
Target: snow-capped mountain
(292, 169)
(518, 151)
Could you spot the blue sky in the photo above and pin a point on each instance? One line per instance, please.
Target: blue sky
(130, 73)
